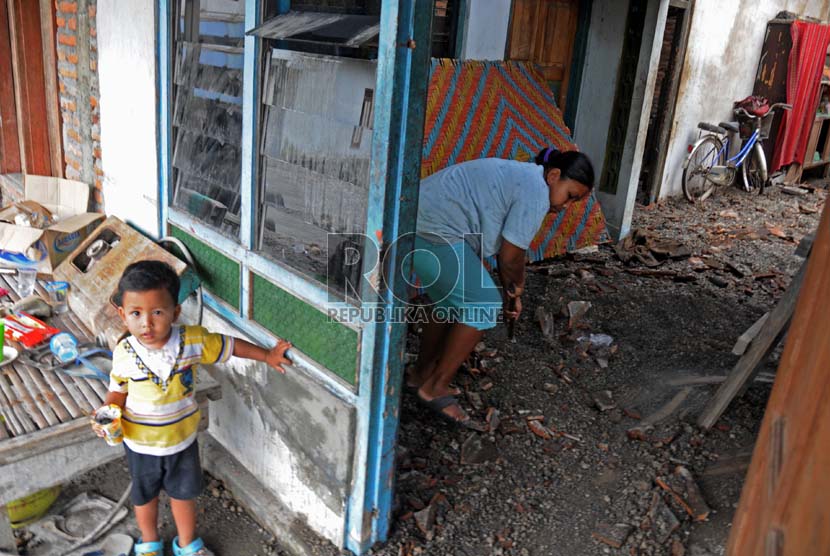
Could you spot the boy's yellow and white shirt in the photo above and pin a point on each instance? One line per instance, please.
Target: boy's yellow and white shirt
(161, 416)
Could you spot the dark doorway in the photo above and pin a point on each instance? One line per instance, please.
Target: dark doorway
(663, 102)
(623, 95)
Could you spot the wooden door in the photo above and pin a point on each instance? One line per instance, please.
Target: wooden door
(29, 129)
(543, 31)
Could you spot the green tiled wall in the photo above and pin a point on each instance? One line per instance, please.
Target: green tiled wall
(219, 274)
(331, 344)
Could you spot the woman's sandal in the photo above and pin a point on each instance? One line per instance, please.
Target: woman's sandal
(196, 548)
(437, 406)
(155, 548)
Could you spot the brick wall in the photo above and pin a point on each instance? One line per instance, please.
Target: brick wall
(77, 52)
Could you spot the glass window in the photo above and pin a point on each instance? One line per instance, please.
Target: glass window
(207, 112)
(315, 157)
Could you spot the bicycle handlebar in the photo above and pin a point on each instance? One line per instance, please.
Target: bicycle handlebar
(782, 105)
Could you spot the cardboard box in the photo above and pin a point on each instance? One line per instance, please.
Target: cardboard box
(46, 249)
(92, 284)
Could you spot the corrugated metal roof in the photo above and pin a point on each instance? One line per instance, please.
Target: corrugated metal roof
(337, 29)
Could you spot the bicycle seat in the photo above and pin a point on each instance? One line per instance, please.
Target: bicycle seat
(710, 127)
(730, 126)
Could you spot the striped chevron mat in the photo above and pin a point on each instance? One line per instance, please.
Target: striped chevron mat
(505, 110)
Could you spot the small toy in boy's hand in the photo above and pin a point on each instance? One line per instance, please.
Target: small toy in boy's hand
(106, 422)
(276, 356)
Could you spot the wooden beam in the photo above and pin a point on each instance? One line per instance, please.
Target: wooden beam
(760, 348)
(783, 503)
(746, 338)
(16, 77)
(10, 162)
(50, 76)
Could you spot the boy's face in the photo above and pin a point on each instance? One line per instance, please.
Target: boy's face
(149, 316)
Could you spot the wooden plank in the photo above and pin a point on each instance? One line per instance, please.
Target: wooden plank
(572, 20)
(12, 423)
(40, 442)
(745, 339)
(74, 393)
(71, 323)
(26, 397)
(520, 38)
(50, 81)
(29, 86)
(45, 389)
(40, 397)
(749, 365)
(16, 79)
(783, 497)
(91, 400)
(62, 394)
(664, 412)
(24, 420)
(54, 467)
(812, 143)
(9, 141)
(793, 174)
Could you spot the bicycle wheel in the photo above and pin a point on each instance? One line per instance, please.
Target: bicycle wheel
(696, 182)
(754, 171)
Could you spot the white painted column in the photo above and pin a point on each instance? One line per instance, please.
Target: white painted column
(127, 81)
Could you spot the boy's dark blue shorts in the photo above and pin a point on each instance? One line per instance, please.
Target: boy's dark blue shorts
(179, 474)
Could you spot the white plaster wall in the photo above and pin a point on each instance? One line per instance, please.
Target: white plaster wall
(485, 29)
(257, 446)
(599, 78)
(127, 78)
(725, 43)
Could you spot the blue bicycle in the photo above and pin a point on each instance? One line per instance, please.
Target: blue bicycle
(707, 165)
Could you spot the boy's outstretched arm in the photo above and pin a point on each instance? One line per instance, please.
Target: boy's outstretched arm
(274, 357)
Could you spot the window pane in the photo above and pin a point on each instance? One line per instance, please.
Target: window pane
(316, 152)
(207, 112)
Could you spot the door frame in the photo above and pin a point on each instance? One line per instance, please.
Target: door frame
(29, 94)
(666, 124)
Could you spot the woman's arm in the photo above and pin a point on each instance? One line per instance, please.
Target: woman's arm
(512, 267)
(512, 276)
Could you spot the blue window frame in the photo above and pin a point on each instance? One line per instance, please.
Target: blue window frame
(402, 75)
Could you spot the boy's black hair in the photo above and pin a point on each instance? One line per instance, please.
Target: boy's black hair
(145, 276)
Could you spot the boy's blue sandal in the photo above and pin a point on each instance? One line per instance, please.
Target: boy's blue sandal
(155, 548)
(196, 548)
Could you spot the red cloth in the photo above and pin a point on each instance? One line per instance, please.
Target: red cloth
(804, 71)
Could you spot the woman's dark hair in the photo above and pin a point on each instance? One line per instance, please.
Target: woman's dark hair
(145, 276)
(572, 165)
